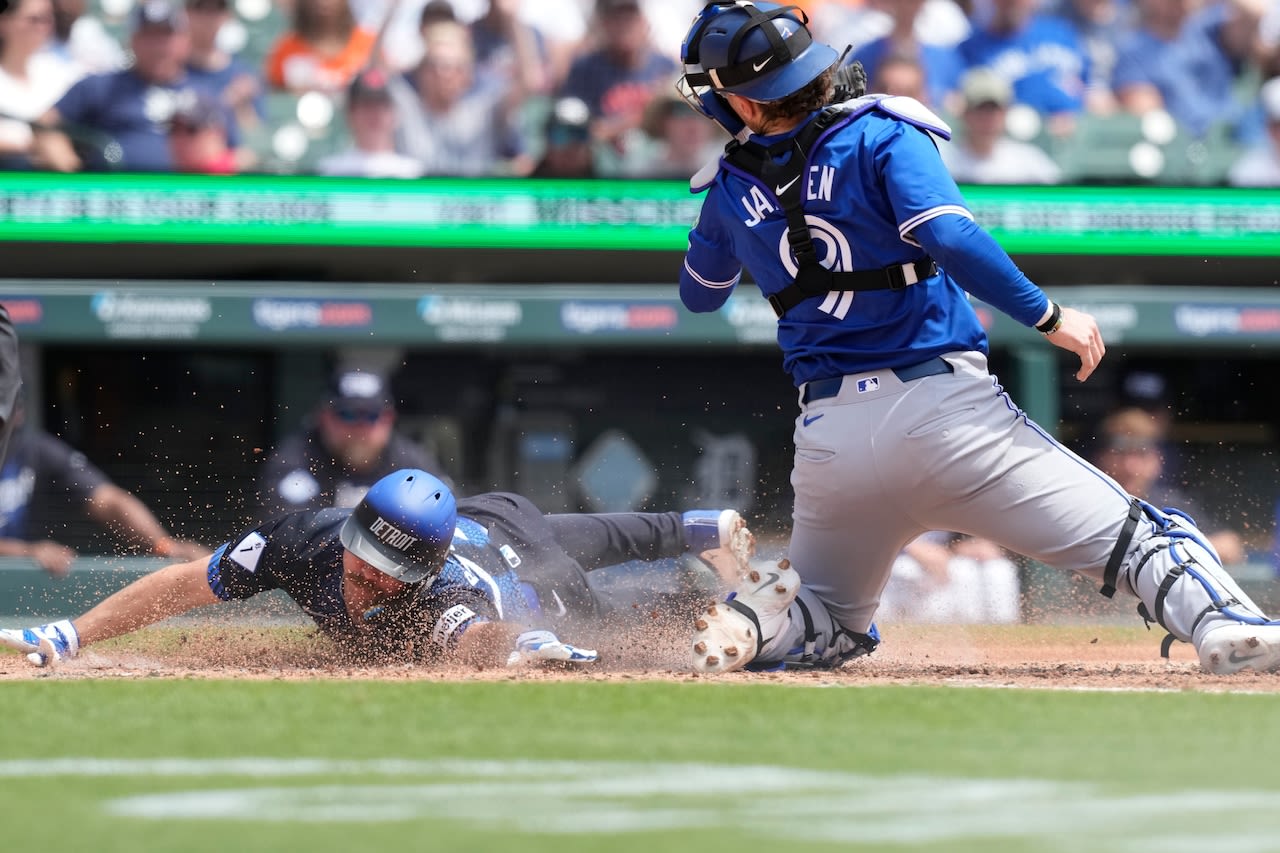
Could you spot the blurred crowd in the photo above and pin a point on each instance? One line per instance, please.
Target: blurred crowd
(1037, 91)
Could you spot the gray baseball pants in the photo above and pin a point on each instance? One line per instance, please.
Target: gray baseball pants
(884, 460)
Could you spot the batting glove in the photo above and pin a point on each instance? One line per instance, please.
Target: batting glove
(542, 646)
(45, 644)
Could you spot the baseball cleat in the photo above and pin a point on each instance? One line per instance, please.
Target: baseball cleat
(1236, 647)
(38, 650)
(722, 540)
(43, 645)
(728, 635)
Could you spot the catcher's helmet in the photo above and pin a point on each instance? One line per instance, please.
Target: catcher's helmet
(404, 525)
(762, 51)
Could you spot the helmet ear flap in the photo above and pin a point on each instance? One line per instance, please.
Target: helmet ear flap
(718, 109)
(714, 106)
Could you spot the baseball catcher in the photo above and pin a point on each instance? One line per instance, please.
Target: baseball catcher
(859, 239)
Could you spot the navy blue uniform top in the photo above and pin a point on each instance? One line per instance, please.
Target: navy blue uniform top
(40, 473)
(875, 193)
(135, 113)
(301, 553)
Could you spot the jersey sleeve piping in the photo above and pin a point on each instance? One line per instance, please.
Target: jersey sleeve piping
(905, 228)
(705, 282)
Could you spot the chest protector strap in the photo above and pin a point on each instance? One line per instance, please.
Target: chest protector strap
(784, 182)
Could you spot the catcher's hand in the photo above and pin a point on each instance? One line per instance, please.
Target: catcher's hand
(1079, 334)
(542, 646)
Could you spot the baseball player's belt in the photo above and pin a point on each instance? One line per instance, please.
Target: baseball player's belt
(821, 389)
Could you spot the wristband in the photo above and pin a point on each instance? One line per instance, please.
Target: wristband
(1048, 327)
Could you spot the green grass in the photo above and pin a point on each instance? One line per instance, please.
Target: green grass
(646, 765)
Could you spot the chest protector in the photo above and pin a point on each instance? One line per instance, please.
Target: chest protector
(783, 180)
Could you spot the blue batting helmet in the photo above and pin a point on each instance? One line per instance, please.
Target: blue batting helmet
(404, 525)
(762, 51)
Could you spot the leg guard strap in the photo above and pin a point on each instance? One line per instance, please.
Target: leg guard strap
(1112, 570)
(755, 620)
(1161, 594)
(1215, 606)
(849, 644)
(808, 656)
(810, 632)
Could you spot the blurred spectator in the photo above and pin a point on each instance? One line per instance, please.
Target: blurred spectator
(371, 121)
(1269, 40)
(323, 49)
(80, 42)
(433, 12)
(1259, 166)
(563, 27)
(30, 81)
(349, 445)
(42, 477)
(1040, 55)
(669, 23)
(451, 126)
(510, 54)
(900, 74)
(940, 23)
(617, 80)
(680, 141)
(212, 68)
(1149, 391)
(567, 149)
(1236, 27)
(946, 579)
(940, 64)
(198, 138)
(984, 153)
(1099, 26)
(1129, 451)
(1179, 62)
(402, 41)
(122, 118)
(559, 27)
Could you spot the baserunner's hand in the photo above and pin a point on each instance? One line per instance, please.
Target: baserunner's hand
(541, 646)
(1079, 334)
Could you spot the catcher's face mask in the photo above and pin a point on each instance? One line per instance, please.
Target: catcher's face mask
(762, 51)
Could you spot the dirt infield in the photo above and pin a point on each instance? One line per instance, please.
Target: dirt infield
(1049, 657)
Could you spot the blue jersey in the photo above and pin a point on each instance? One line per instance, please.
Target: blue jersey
(1044, 61)
(42, 477)
(1193, 75)
(940, 62)
(134, 113)
(875, 194)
